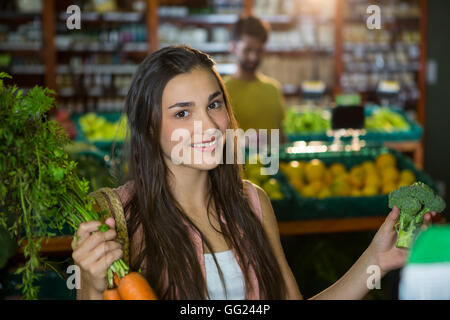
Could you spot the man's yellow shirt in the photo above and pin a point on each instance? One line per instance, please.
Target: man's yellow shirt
(256, 104)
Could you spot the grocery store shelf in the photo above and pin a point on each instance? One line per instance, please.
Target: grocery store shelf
(415, 147)
(94, 17)
(278, 49)
(302, 227)
(218, 47)
(226, 68)
(224, 19)
(209, 47)
(367, 47)
(59, 244)
(320, 226)
(29, 46)
(95, 69)
(386, 20)
(27, 70)
(103, 47)
(94, 92)
(12, 16)
(291, 90)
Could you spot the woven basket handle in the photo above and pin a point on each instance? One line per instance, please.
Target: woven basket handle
(106, 199)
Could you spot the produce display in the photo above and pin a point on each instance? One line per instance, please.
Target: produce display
(39, 189)
(313, 179)
(384, 119)
(98, 128)
(413, 201)
(309, 121)
(268, 183)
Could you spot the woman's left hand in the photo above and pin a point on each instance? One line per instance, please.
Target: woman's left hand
(382, 247)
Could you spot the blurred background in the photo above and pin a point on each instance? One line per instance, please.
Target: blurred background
(323, 55)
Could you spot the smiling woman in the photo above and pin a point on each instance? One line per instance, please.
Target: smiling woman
(183, 210)
(200, 122)
(179, 212)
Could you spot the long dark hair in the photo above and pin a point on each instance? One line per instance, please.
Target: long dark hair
(166, 245)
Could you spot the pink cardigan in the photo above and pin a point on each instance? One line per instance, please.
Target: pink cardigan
(125, 192)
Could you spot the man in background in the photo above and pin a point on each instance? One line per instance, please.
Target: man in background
(256, 99)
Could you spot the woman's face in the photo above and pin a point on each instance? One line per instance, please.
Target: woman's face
(194, 120)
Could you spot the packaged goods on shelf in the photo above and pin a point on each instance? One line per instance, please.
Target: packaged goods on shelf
(227, 6)
(25, 36)
(274, 7)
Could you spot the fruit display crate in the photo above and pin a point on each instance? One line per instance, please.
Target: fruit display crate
(304, 208)
(103, 145)
(414, 133)
(282, 207)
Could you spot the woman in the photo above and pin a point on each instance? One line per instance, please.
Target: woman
(192, 223)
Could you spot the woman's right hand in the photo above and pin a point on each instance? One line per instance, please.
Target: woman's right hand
(94, 252)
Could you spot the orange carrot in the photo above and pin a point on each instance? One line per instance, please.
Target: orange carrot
(116, 280)
(111, 294)
(135, 287)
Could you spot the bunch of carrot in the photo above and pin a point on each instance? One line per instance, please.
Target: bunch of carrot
(122, 284)
(133, 286)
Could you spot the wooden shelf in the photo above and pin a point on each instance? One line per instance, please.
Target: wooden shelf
(386, 20)
(25, 70)
(224, 20)
(16, 17)
(319, 226)
(109, 17)
(415, 147)
(304, 227)
(224, 48)
(34, 47)
(63, 244)
(95, 69)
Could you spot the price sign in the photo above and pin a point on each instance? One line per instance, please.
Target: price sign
(347, 117)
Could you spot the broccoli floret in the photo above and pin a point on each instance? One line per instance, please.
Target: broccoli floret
(414, 202)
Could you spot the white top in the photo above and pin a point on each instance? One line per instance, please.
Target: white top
(232, 274)
(425, 281)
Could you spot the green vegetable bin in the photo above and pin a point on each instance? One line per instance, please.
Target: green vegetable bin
(104, 145)
(414, 133)
(343, 207)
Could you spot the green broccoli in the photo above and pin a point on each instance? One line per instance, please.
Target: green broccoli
(414, 202)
